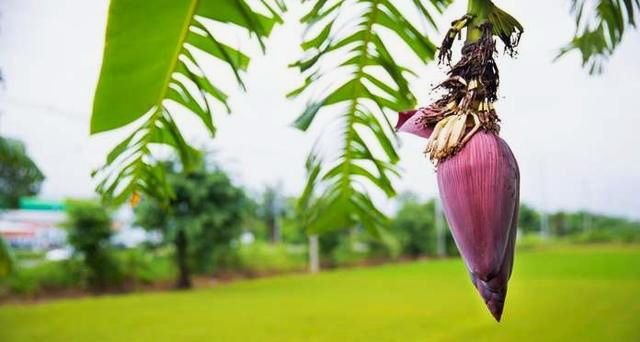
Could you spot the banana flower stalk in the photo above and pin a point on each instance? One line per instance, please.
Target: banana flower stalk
(478, 176)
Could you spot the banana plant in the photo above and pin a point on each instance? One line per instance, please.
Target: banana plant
(600, 28)
(349, 41)
(340, 184)
(478, 175)
(152, 65)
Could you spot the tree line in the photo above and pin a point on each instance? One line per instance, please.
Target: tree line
(205, 226)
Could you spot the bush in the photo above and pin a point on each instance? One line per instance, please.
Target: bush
(529, 220)
(350, 252)
(140, 266)
(135, 266)
(343, 247)
(530, 241)
(46, 276)
(414, 226)
(89, 227)
(607, 235)
(360, 246)
(262, 258)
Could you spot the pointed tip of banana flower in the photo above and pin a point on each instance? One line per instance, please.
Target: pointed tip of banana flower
(494, 298)
(411, 122)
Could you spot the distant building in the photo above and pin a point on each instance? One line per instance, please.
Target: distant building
(37, 225)
(33, 228)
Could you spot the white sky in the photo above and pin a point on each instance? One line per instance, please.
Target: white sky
(572, 134)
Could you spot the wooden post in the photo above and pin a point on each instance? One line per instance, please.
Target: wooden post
(314, 254)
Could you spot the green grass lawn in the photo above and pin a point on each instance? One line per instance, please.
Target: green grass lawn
(557, 294)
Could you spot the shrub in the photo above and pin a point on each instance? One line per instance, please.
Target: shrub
(46, 276)
(262, 258)
(530, 241)
(414, 226)
(89, 227)
(140, 266)
(607, 235)
(360, 246)
(350, 252)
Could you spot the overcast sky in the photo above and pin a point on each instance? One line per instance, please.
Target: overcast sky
(573, 135)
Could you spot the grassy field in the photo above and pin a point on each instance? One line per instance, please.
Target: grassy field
(558, 294)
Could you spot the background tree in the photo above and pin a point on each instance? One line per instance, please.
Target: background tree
(90, 228)
(19, 175)
(328, 242)
(292, 230)
(414, 225)
(529, 220)
(559, 223)
(200, 220)
(271, 211)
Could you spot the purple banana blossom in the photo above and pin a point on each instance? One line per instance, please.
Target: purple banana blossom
(411, 122)
(479, 187)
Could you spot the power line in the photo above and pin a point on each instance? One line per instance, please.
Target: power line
(45, 109)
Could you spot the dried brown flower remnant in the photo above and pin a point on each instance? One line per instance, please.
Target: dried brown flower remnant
(454, 32)
(471, 90)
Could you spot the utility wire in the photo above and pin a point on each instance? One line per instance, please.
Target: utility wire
(45, 109)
